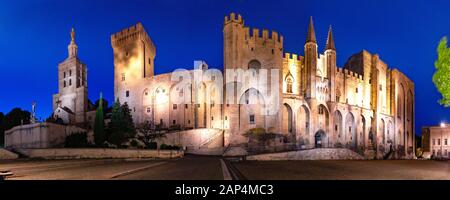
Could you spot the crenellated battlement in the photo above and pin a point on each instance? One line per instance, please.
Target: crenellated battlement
(255, 34)
(131, 34)
(349, 74)
(233, 18)
(292, 57)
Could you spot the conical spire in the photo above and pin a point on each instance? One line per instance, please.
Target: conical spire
(330, 40)
(311, 37)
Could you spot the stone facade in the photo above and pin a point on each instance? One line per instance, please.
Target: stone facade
(363, 105)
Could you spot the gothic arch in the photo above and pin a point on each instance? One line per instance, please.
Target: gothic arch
(382, 131)
(254, 64)
(362, 136)
(389, 132)
(287, 119)
(350, 130)
(320, 138)
(410, 118)
(323, 118)
(337, 128)
(200, 105)
(252, 108)
(303, 121)
(252, 96)
(289, 81)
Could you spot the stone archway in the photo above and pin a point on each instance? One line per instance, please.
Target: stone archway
(287, 119)
(323, 118)
(337, 119)
(319, 139)
(362, 138)
(302, 128)
(350, 130)
(254, 64)
(382, 131)
(251, 109)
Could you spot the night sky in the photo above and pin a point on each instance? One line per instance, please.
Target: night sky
(34, 36)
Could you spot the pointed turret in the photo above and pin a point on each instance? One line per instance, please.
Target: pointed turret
(310, 62)
(330, 40)
(311, 36)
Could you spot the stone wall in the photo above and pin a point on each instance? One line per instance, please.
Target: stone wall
(39, 135)
(89, 153)
(6, 155)
(313, 154)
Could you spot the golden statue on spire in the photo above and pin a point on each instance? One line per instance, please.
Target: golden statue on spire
(72, 34)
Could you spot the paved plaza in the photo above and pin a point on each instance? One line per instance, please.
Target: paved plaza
(213, 168)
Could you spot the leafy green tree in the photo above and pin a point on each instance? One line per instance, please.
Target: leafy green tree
(149, 134)
(441, 77)
(129, 127)
(121, 126)
(115, 126)
(99, 125)
(76, 140)
(15, 117)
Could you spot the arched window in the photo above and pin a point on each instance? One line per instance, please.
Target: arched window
(254, 64)
(289, 85)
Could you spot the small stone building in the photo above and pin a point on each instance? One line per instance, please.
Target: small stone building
(436, 141)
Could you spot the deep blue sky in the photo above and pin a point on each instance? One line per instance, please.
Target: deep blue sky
(34, 36)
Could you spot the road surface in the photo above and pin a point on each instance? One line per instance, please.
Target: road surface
(213, 168)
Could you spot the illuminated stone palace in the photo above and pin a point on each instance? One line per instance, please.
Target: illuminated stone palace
(363, 105)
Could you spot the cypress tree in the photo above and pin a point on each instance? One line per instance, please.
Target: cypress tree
(99, 126)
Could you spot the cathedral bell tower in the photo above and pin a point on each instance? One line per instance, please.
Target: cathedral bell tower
(310, 65)
(71, 102)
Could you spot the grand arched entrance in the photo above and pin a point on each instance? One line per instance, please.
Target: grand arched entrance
(320, 139)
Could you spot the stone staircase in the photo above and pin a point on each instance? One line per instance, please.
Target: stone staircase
(214, 141)
(211, 146)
